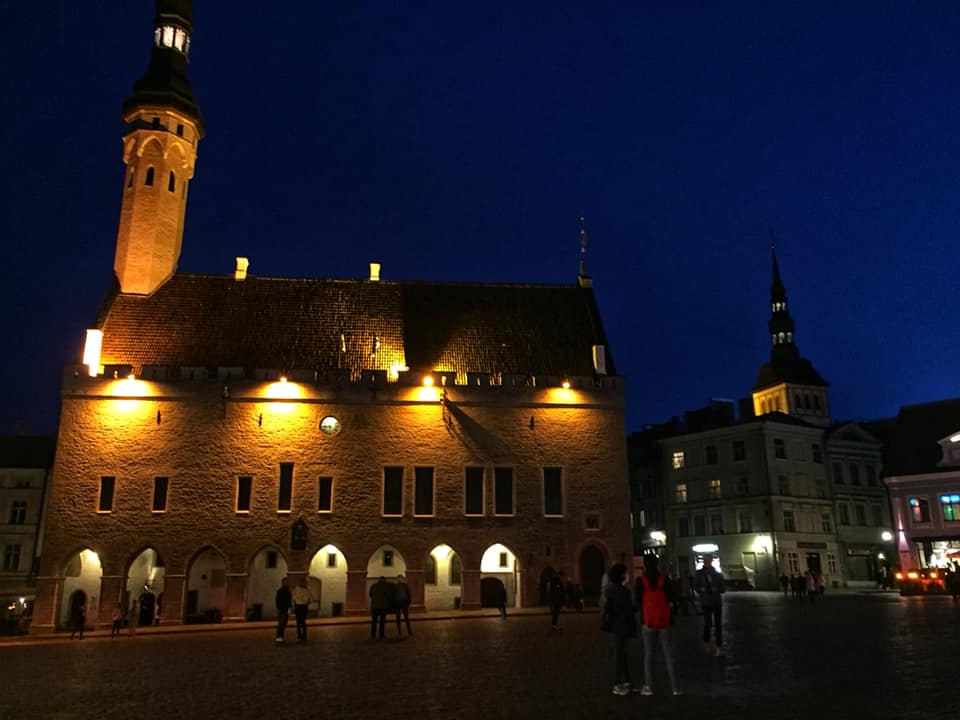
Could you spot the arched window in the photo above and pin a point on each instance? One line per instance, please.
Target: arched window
(149, 178)
(781, 337)
(790, 337)
(430, 571)
(172, 183)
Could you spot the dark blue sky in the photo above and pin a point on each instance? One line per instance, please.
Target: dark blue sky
(454, 141)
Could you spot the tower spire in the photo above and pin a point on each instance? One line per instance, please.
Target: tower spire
(164, 126)
(583, 279)
(781, 325)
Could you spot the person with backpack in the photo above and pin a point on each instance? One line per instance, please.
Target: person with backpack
(620, 622)
(710, 588)
(655, 596)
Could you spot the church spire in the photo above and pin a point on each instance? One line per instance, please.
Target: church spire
(164, 126)
(784, 348)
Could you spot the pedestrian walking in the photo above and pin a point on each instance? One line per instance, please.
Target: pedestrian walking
(619, 620)
(301, 604)
(711, 587)
(501, 599)
(810, 585)
(133, 618)
(557, 593)
(401, 604)
(381, 601)
(283, 601)
(78, 617)
(117, 618)
(784, 583)
(654, 596)
(822, 584)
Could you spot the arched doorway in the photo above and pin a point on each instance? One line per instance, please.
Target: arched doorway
(442, 579)
(81, 574)
(386, 562)
(328, 581)
(206, 588)
(267, 569)
(499, 562)
(145, 585)
(593, 565)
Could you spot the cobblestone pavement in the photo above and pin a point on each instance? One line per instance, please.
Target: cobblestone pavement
(849, 656)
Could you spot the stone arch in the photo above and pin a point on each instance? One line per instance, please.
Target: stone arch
(145, 573)
(501, 562)
(82, 572)
(265, 569)
(442, 578)
(206, 597)
(592, 562)
(328, 581)
(383, 565)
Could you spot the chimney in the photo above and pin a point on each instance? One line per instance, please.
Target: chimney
(241, 271)
(374, 272)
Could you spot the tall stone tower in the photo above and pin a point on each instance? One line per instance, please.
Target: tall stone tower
(788, 383)
(164, 126)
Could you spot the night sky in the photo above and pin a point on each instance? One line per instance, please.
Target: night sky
(462, 142)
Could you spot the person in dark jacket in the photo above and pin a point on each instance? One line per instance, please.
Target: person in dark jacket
(621, 623)
(401, 604)
(710, 588)
(381, 601)
(283, 602)
(557, 595)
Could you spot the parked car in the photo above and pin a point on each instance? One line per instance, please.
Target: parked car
(918, 581)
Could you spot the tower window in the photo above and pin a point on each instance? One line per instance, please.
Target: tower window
(149, 178)
(130, 178)
(180, 129)
(172, 182)
(781, 337)
(156, 122)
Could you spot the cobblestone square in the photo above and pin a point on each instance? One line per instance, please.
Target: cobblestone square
(851, 655)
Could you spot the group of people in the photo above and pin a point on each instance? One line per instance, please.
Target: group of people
(654, 597)
(386, 597)
(299, 600)
(808, 586)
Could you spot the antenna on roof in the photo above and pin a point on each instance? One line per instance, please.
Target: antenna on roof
(583, 280)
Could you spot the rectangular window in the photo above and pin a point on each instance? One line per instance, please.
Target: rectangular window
(712, 458)
(844, 510)
(503, 491)
(832, 567)
(950, 505)
(244, 486)
(877, 515)
(285, 488)
(681, 492)
(388, 558)
(325, 494)
(331, 560)
(272, 557)
(504, 560)
(789, 524)
(699, 525)
(473, 491)
(745, 521)
(739, 451)
(678, 459)
(821, 487)
(871, 473)
(784, 483)
(779, 448)
(743, 486)
(18, 512)
(683, 527)
(393, 491)
(714, 489)
(838, 473)
(919, 510)
(793, 560)
(826, 523)
(552, 492)
(716, 524)
(591, 521)
(423, 491)
(861, 513)
(160, 485)
(11, 558)
(854, 474)
(107, 483)
(817, 453)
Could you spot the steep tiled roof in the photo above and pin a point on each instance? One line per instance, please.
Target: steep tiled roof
(913, 447)
(319, 324)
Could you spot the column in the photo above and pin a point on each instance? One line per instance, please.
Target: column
(470, 589)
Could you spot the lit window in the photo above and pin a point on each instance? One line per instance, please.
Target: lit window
(681, 492)
(793, 560)
(919, 510)
(678, 459)
(950, 504)
(714, 489)
(168, 36)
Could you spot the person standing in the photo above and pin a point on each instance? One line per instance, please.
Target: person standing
(117, 618)
(620, 622)
(401, 604)
(810, 583)
(283, 602)
(381, 599)
(78, 617)
(556, 592)
(710, 588)
(301, 604)
(784, 583)
(655, 596)
(133, 618)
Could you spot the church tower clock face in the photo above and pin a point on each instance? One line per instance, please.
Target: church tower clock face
(330, 425)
